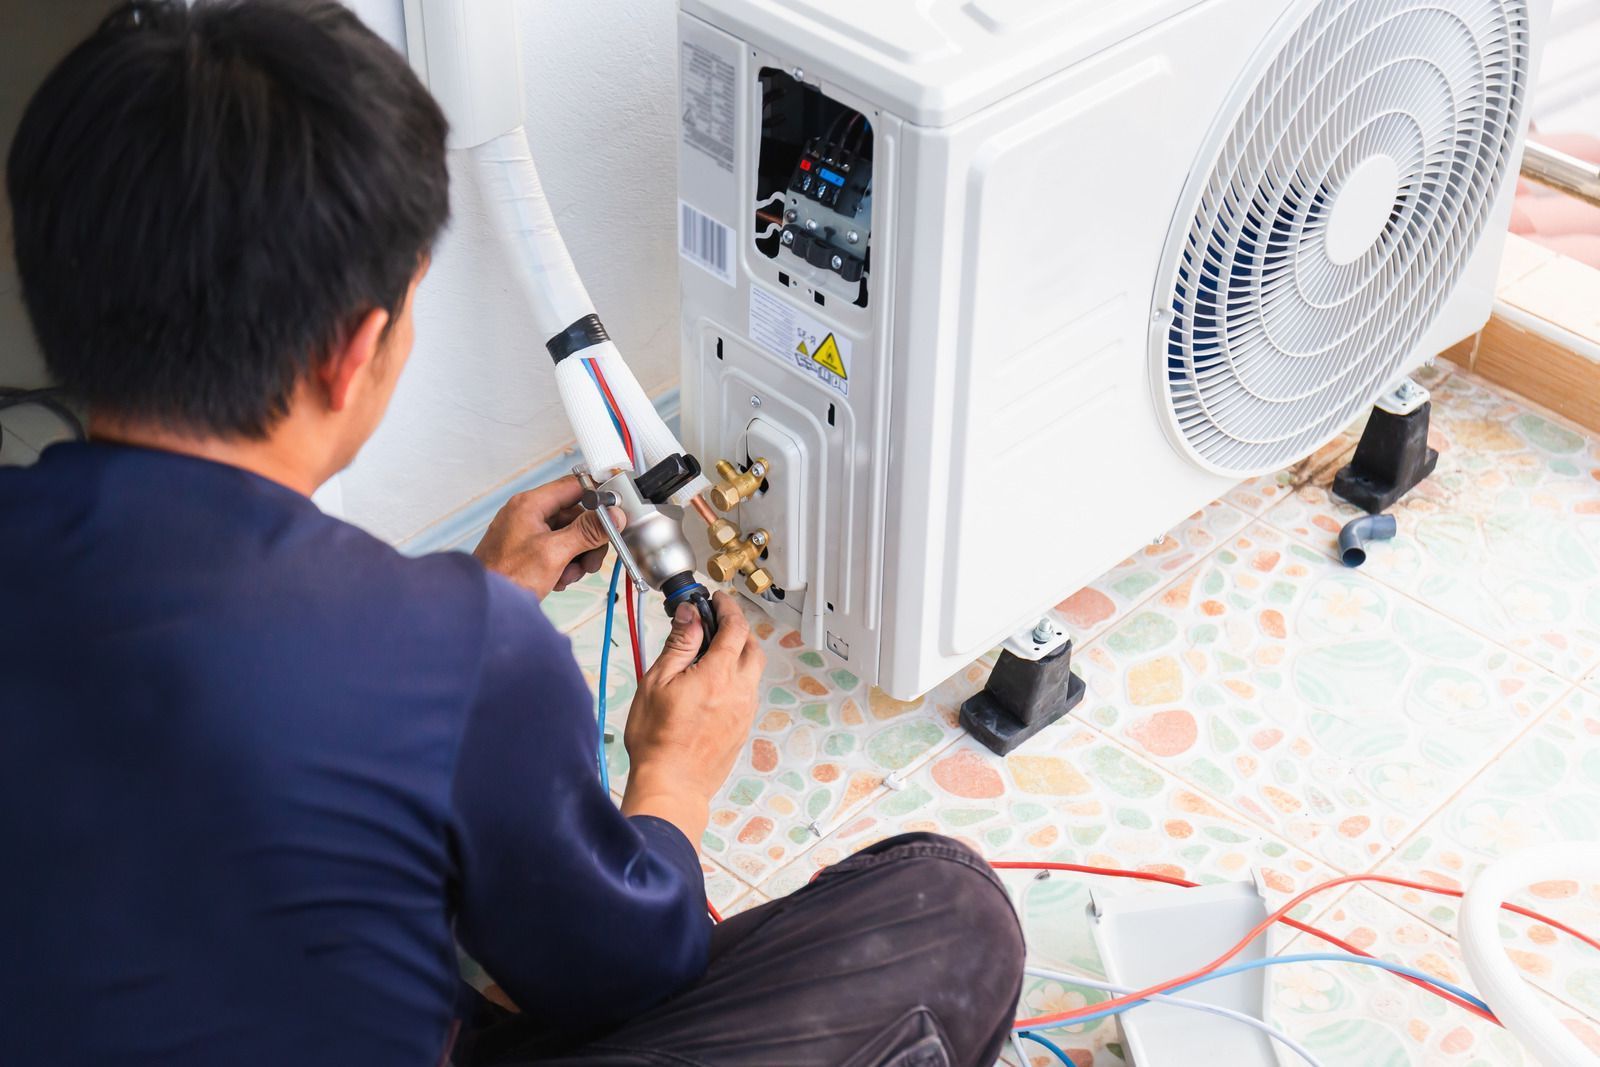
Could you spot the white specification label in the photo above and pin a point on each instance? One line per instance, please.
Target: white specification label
(708, 93)
(795, 337)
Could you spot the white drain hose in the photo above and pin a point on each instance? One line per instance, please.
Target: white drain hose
(1517, 1003)
(547, 276)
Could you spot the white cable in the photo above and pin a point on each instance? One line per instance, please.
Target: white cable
(1016, 1047)
(1179, 1002)
(1516, 1003)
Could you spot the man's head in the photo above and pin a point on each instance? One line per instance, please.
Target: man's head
(220, 214)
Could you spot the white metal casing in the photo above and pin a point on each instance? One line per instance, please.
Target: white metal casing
(999, 446)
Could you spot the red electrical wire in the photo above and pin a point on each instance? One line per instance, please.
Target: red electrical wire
(616, 411)
(1122, 1001)
(633, 640)
(711, 910)
(1147, 876)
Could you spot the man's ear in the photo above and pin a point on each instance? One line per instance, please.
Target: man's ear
(339, 372)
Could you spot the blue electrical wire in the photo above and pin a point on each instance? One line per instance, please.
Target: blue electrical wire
(605, 665)
(1054, 1049)
(1273, 961)
(616, 421)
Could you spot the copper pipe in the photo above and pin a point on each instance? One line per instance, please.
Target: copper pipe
(702, 509)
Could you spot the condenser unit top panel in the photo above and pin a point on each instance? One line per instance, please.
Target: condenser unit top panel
(935, 62)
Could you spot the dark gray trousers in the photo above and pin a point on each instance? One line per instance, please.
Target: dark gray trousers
(907, 954)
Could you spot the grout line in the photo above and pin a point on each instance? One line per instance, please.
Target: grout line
(842, 819)
(1305, 542)
(1159, 587)
(1535, 721)
(1277, 833)
(1227, 805)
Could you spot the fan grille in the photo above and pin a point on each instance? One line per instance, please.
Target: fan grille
(1285, 320)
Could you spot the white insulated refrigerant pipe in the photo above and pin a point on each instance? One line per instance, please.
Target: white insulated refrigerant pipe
(466, 53)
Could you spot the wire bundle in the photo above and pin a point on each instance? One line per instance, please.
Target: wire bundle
(1125, 999)
(634, 604)
(635, 601)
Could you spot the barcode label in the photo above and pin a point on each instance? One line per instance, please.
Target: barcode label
(705, 242)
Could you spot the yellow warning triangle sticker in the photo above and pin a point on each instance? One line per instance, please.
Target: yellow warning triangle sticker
(827, 355)
(802, 349)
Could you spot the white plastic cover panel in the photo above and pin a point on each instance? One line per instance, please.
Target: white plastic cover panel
(935, 62)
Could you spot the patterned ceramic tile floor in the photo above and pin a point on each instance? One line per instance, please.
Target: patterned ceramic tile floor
(1252, 705)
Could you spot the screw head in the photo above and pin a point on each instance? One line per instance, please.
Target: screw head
(811, 224)
(759, 539)
(1044, 631)
(852, 237)
(755, 401)
(837, 261)
(799, 74)
(788, 237)
(791, 215)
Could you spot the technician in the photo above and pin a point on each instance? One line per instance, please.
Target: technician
(260, 773)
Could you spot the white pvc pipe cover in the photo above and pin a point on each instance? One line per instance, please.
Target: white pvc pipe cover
(1517, 1003)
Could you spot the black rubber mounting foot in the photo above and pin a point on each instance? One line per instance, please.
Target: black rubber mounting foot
(1392, 458)
(1021, 698)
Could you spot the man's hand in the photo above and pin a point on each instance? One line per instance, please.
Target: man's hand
(543, 540)
(689, 720)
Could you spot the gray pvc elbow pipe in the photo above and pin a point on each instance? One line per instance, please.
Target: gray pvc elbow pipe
(1357, 532)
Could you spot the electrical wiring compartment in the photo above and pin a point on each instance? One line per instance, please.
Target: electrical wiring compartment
(814, 186)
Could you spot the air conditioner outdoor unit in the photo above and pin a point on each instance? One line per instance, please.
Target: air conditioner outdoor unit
(1002, 289)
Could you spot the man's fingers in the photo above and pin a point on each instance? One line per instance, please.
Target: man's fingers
(754, 658)
(583, 535)
(573, 573)
(732, 629)
(548, 499)
(683, 643)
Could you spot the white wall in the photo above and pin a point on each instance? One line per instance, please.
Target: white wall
(35, 37)
(1568, 96)
(478, 403)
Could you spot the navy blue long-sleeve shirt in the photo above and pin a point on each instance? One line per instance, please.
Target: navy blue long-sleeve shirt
(256, 768)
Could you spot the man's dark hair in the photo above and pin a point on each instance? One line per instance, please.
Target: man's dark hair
(206, 200)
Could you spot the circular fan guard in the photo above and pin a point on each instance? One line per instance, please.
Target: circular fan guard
(1296, 296)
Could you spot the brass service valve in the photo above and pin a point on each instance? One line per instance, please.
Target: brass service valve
(737, 485)
(743, 557)
(723, 534)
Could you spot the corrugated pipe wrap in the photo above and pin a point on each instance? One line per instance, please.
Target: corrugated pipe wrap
(650, 433)
(522, 219)
(591, 423)
(549, 279)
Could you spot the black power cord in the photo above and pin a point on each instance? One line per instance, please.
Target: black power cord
(51, 399)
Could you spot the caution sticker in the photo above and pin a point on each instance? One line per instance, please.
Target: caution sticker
(795, 337)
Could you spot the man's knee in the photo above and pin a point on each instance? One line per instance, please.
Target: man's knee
(943, 894)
